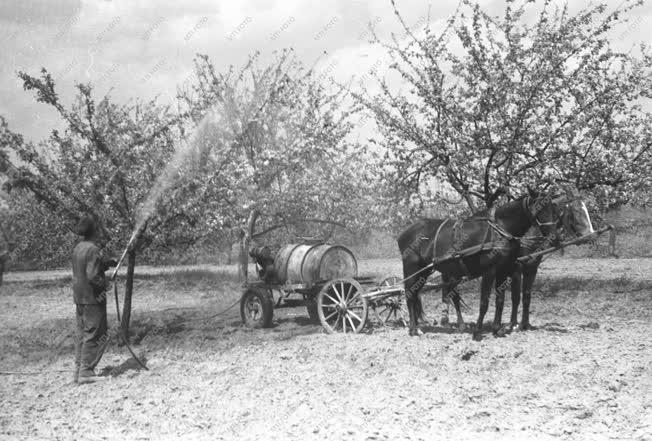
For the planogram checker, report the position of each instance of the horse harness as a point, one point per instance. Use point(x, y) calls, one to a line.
point(533, 215)
point(459, 253)
point(493, 230)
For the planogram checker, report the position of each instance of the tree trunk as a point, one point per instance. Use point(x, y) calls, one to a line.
point(244, 245)
point(612, 242)
point(243, 259)
point(129, 288)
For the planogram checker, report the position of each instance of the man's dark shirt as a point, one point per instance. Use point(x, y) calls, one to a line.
point(88, 281)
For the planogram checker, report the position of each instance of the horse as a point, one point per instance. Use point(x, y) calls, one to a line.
point(493, 235)
point(573, 219)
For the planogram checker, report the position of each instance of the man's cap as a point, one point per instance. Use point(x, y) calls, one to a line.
point(86, 226)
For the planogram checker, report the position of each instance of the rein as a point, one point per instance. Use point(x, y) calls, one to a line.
point(523, 240)
point(501, 231)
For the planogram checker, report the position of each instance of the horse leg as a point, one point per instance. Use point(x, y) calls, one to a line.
point(410, 300)
point(461, 326)
point(485, 292)
point(501, 285)
point(415, 308)
point(445, 300)
point(529, 275)
point(516, 296)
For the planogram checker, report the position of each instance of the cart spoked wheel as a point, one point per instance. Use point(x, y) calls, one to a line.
point(341, 307)
point(392, 307)
point(257, 308)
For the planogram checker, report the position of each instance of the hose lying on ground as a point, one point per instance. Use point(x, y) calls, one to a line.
point(121, 333)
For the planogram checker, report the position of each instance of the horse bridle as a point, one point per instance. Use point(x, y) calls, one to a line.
point(567, 211)
point(534, 215)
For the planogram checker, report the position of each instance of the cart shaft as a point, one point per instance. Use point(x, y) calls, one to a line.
point(565, 244)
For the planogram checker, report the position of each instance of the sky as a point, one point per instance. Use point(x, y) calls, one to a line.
point(140, 48)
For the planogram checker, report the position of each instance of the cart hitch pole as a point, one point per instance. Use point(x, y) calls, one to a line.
point(564, 245)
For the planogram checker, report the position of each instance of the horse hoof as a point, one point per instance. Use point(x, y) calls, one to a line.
point(461, 327)
point(444, 320)
point(416, 332)
point(526, 327)
point(477, 336)
point(499, 333)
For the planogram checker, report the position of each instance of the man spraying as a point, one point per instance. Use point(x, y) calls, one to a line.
point(89, 286)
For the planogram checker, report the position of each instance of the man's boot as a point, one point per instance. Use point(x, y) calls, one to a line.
point(89, 376)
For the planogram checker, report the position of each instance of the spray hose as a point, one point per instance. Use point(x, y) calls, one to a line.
point(122, 332)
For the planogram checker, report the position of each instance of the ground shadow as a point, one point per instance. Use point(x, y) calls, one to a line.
point(298, 320)
point(550, 327)
point(478, 335)
point(179, 322)
point(438, 329)
point(128, 365)
point(286, 328)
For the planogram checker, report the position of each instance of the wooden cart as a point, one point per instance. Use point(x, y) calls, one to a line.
point(323, 278)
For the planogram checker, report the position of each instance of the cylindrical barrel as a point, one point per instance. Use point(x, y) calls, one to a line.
point(302, 263)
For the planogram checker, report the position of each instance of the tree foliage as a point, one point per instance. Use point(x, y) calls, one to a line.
point(265, 139)
point(499, 103)
point(102, 164)
point(279, 146)
point(36, 238)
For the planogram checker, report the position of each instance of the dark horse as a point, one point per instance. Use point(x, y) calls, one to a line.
point(494, 238)
point(574, 220)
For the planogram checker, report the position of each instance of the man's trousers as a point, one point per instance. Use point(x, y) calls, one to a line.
point(91, 337)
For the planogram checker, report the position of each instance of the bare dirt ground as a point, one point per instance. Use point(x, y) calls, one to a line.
point(585, 373)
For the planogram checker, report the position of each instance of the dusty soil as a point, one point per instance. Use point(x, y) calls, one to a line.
point(585, 373)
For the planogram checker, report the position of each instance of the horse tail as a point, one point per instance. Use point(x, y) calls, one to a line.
point(411, 245)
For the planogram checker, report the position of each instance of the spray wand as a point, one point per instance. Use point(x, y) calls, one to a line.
point(135, 234)
point(124, 253)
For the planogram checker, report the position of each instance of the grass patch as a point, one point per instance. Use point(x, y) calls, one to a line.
point(226, 278)
point(175, 278)
point(183, 277)
point(621, 284)
point(26, 287)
